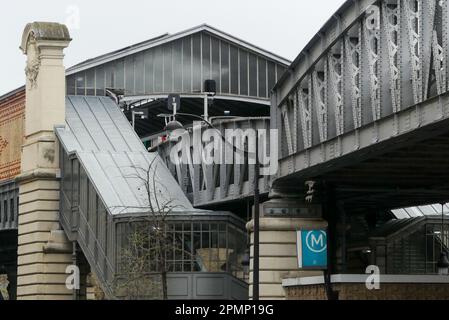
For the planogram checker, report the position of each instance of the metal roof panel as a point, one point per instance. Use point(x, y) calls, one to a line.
point(115, 159)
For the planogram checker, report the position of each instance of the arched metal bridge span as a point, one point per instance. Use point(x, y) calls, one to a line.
point(366, 102)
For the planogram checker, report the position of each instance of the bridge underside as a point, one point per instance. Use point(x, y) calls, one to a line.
point(409, 170)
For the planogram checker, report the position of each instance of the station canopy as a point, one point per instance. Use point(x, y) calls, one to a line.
point(147, 72)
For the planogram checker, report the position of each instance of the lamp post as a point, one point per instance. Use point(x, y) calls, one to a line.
point(256, 266)
point(134, 114)
point(174, 125)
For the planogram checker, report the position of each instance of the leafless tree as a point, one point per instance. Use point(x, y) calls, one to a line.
point(143, 260)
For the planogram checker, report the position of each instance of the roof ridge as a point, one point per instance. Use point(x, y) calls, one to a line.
point(165, 38)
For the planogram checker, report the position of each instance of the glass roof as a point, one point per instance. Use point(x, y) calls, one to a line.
point(413, 212)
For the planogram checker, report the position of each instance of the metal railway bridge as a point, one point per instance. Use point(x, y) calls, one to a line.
point(363, 109)
point(363, 113)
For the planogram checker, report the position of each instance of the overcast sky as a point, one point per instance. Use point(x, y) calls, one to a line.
point(100, 26)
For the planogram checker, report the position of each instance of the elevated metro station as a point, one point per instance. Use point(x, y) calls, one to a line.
point(361, 120)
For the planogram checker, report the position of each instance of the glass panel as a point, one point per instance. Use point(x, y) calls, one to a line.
point(139, 74)
point(253, 77)
point(80, 84)
point(222, 240)
point(90, 82)
point(206, 58)
point(224, 67)
point(271, 75)
point(110, 76)
point(187, 64)
point(243, 58)
point(168, 68)
point(129, 75)
point(196, 68)
point(214, 240)
point(216, 62)
point(71, 85)
point(149, 75)
point(100, 80)
point(177, 66)
point(262, 78)
point(158, 70)
point(234, 70)
point(120, 75)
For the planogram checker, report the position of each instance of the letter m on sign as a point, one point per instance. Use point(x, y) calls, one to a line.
point(312, 249)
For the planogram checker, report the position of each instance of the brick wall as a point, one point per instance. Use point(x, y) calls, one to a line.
point(359, 292)
point(12, 120)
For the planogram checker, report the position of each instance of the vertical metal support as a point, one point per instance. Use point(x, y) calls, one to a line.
point(305, 108)
point(295, 122)
point(341, 209)
point(206, 107)
point(392, 26)
point(329, 206)
point(256, 285)
point(445, 36)
point(353, 54)
point(75, 292)
point(413, 11)
point(336, 77)
point(287, 129)
point(320, 95)
point(373, 45)
point(439, 45)
point(439, 64)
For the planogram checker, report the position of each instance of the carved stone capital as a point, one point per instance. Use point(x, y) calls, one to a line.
point(32, 71)
point(39, 35)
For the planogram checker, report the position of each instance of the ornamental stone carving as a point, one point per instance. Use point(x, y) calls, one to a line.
point(32, 71)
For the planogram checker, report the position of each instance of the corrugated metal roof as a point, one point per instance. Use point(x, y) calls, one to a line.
point(115, 159)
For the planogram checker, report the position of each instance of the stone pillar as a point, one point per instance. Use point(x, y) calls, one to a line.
point(43, 249)
point(278, 247)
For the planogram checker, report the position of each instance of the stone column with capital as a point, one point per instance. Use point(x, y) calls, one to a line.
point(44, 251)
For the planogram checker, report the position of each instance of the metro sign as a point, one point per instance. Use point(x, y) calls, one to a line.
point(312, 249)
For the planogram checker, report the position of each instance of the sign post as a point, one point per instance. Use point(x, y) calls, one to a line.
point(312, 249)
point(174, 103)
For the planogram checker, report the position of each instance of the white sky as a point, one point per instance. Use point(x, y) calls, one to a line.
point(281, 26)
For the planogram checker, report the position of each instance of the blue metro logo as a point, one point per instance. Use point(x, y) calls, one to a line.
point(312, 249)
